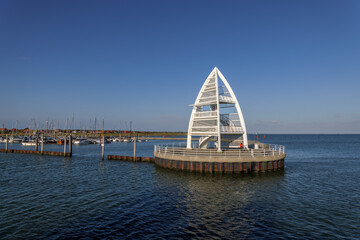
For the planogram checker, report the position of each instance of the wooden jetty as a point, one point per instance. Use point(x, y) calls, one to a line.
point(67, 154)
point(131, 158)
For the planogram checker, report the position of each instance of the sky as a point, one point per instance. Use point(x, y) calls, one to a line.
point(294, 66)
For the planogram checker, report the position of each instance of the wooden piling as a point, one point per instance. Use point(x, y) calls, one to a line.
point(36, 142)
point(65, 146)
point(70, 145)
point(42, 144)
point(135, 149)
point(103, 148)
point(103, 142)
point(6, 145)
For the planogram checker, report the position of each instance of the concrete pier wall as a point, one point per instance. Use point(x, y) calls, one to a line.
point(220, 164)
point(221, 167)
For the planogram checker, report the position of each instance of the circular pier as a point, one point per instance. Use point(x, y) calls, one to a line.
point(266, 159)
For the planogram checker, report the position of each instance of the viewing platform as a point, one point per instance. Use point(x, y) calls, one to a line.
point(218, 123)
point(269, 158)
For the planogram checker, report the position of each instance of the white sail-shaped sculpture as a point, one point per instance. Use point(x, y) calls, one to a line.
point(217, 116)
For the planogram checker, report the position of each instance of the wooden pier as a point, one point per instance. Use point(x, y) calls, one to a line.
point(131, 158)
point(65, 153)
point(47, 153)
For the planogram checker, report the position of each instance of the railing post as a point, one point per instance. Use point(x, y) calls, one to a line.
point(264, 152)
point(273, 152)
point(252, 152)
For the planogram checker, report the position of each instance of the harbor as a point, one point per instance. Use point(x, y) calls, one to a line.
point(206, 120)
point(85, 196)
point(217, 140)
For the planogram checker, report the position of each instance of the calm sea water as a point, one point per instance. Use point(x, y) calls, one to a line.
point(317, 196)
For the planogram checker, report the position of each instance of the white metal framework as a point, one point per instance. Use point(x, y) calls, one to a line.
point(217, 116)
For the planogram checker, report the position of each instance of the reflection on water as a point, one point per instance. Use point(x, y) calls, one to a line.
point(316, 196)
point(214, 200)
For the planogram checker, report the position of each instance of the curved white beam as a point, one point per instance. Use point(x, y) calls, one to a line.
point(241, 117)
point(189, 136)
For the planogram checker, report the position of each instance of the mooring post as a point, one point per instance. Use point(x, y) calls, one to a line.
point(70, 145)
point(103, 148)
point(6, 145)
point(65, 146)
point(103, 142)
point(42, 144)
point(36, 142)
point(135, 149)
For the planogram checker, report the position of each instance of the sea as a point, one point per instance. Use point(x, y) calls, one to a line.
point(316, 196)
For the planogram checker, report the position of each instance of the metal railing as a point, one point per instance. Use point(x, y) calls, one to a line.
point(230, 129)
point(206, 114)
point(181, 150)
point(228, 99)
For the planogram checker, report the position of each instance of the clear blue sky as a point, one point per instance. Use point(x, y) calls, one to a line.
point(293, 65)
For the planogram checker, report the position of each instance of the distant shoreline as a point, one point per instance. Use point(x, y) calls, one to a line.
point(111, 133)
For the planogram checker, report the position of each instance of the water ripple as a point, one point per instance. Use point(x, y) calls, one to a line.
point(316, 197)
